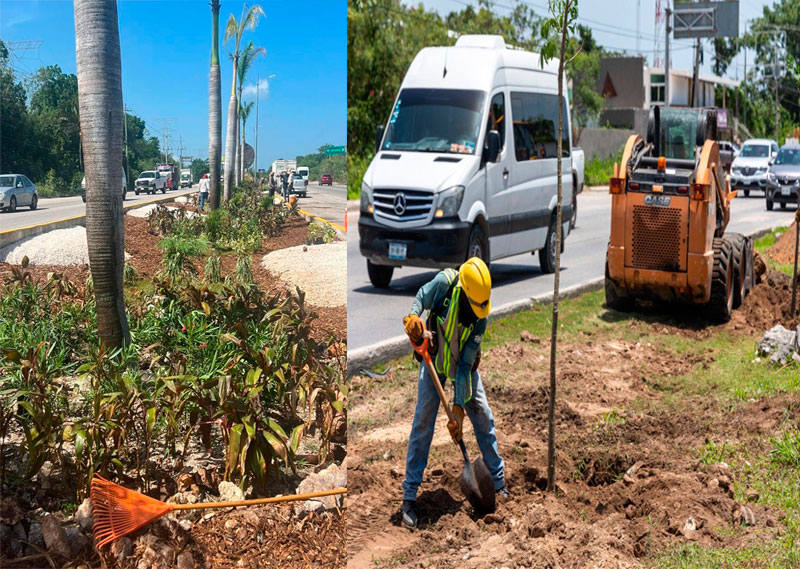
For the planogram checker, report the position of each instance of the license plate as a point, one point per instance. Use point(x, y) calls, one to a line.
point(786, 190)
point(397, 250)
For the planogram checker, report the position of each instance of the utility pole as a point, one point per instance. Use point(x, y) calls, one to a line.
point(744, 79)
point(695, 71)
point(667, 12)
point(776, 74)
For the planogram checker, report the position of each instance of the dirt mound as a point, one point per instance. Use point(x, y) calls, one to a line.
point(782, 250)
point(768, 304)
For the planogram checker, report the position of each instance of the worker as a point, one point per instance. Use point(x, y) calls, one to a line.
point(285, 183)
point(458, 304)
point(204, 185)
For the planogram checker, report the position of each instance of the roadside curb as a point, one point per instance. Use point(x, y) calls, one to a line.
point(398, 346)
point(311, 218)
point(10, 236)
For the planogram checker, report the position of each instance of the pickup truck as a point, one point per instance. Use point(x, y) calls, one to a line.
point(578, 160)
point(150, 181)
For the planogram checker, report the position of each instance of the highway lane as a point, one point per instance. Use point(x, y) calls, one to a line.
point(56, 209)
point(327, 202)
point(375, 315)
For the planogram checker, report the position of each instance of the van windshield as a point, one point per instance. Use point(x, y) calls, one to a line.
point(435, 120)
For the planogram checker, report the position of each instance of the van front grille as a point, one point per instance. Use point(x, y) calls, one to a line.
point(402, 205)
point(656, 238)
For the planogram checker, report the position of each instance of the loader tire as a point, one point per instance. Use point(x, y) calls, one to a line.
point(738, 246)
point(721, 302)
point(614, 300)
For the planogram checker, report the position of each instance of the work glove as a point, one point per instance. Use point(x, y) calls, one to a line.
point(414, 327)
point(456, 427)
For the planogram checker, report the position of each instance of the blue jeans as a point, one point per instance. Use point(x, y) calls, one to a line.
point(419, 443)
point(203, 198)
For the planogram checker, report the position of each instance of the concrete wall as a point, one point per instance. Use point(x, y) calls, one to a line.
point(627, 76)
point(603, 142)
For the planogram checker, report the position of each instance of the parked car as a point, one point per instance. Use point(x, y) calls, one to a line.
point(17, 190)
point(466, 163)
point(578, 159)
point(299, 185)
point(150, 181)
point(727, 152)
point(783, 178)
point(124, 187)
point(326, 179)
point(749, 168)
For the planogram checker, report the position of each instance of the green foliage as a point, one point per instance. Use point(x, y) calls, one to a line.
point(179, 255)
point(320, 233)
point(598, 170)
point(199, 167)
point(356, 168)
point(213, 269)
point(786, 449)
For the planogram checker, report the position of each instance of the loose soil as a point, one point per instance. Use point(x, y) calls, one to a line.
point(630, 478)
point(783, 249)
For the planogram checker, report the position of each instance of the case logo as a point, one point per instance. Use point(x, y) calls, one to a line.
point(662, 201)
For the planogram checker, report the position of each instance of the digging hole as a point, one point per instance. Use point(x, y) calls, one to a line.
point(605, 469)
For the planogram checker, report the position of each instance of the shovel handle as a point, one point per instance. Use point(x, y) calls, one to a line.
point(422, 349)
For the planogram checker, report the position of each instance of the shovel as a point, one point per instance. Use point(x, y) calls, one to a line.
point(476, 483)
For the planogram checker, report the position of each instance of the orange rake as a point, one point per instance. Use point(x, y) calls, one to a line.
point(118, 511)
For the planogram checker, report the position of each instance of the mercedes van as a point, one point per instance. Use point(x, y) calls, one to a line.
point(467, 162)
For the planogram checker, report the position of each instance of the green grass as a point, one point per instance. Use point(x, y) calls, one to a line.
point(762, 245)
point(599, 170)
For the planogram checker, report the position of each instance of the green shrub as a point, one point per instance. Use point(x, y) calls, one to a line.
point(356, 168)
point(599, 170)
point(320, 233)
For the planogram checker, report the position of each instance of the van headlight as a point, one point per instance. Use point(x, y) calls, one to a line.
point(366, 198)
point(450, 201)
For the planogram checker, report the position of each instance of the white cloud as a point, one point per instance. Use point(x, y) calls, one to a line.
point(252, 91)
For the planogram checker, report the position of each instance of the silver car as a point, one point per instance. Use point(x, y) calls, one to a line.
point(17, 190)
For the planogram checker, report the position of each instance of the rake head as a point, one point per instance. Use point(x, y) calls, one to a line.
point(117, 511)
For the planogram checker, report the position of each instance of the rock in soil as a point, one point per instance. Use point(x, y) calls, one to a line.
point(83, 515)
point(230, 492)
point(55, 538)
point(185, 561)
point(122, 548)
point(779, 344)
point(332, 477)
point(77, 541)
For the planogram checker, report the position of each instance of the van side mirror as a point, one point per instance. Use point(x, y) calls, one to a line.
point(378, 137)
point(492, 146)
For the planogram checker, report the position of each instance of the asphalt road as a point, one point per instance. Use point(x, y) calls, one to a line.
point(327, 202)
point(56, 209)
point(375, 315)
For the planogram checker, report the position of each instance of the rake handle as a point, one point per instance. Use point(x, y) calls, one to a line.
point(289, 498)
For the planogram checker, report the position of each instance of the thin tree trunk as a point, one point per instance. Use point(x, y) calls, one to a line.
point(99, 72)
point(244, 123)
point(214, 112)
point(551, 429)
point(238, 175)
point(230, 137)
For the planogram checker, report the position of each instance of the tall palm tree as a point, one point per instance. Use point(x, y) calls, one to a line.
point(234, 30)
point(244, 112)
point(99, 71)
point(214, 111)
point(249, 53)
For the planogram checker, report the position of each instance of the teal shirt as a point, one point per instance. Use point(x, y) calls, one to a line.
point(428, 296)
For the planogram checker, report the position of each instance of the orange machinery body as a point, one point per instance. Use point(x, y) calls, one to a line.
point(666, 252)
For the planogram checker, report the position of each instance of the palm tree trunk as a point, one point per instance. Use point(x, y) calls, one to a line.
point(99, 72)
point(214, 112)
point(239, 148)
point(230, 137)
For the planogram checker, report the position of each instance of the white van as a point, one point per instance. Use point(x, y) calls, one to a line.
point(304, 171)
point(466, 165)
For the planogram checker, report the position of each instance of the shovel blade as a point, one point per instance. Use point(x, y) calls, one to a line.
point(478, 487)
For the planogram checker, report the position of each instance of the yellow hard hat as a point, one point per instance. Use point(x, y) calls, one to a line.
point(477, 285)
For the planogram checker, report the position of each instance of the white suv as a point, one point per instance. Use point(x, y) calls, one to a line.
point(749, 168)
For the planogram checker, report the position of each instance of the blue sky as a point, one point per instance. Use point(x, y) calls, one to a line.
point(166, 47)
point(614, 25)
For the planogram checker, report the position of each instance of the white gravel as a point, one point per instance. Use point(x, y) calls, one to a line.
point(320, 271)
point(59, 247)
point(143, 211)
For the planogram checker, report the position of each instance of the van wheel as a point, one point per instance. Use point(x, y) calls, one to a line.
point(720, 304)
point(547, 254)
point(747, 193)
point(136, 191)
point(477, 245)
point(573, 220)
point(769, 204)
point(379, 275)
point(783, 205)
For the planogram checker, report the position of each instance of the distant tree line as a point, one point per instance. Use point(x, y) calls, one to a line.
point(320, 164)
point(40, 130)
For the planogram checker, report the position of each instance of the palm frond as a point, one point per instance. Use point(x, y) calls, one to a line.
point(245, 109)
point(246, 60)
point(250, 21)
point(231, 28)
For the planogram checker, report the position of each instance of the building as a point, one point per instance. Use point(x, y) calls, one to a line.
point(630, 88)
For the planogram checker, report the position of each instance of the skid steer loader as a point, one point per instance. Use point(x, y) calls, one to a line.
point(670, 207)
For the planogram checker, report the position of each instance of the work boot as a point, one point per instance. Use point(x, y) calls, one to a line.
point(409, 511)
point(503, 493)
